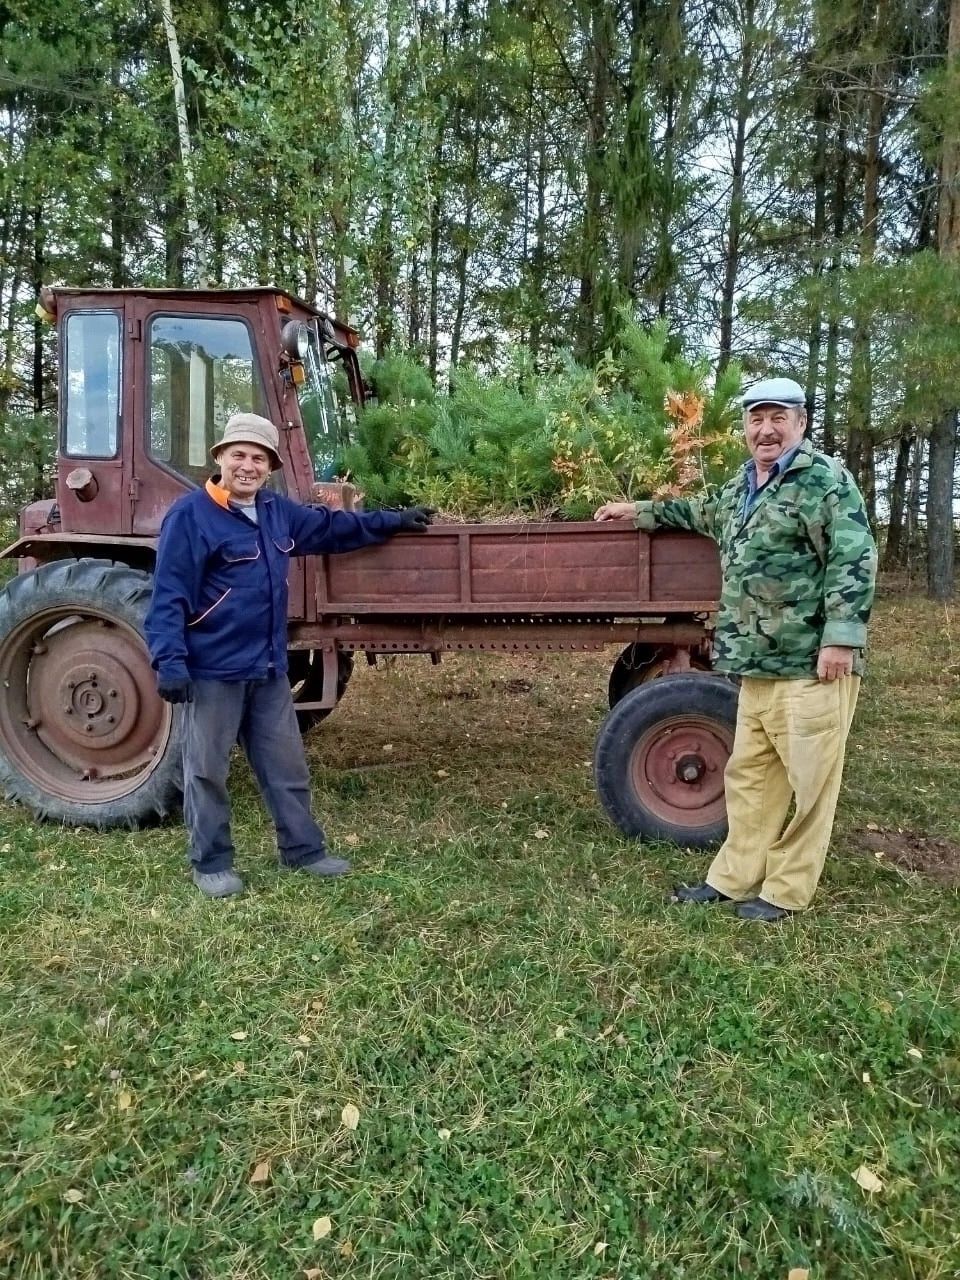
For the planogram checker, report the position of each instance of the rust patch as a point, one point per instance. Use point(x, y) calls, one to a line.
point(933, 856)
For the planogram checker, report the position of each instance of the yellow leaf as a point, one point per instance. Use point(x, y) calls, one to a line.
point(914, 1053)
point(124, 1101)
point(559, 1032)
point(798, 1273)
point(351, 839)
point(865, 1177)
point(444, 1135)
point(322, 1227)
point(350, 1116)
point(261, 1174)
point(72, 1195)
point(540, 834)
point(346, 1249)
point(239, 1068)
point(304, 1040)
point(600, 1248)
point(238, 1035)
point(442, 773)
point(313, 1273)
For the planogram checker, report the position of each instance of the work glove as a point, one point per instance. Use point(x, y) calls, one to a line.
point(175, 690)
point(415, 519)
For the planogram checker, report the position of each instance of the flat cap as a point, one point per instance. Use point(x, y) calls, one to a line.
point(782, 391)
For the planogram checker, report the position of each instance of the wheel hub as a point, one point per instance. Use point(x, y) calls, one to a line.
point(92, 697)
point(690, 768)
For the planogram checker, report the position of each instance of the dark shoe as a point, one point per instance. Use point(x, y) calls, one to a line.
point(218, 884)
point(328, 866)
point(757, 909)
point(701, 893)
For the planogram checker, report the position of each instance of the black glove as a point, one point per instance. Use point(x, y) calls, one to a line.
point(175, 690)
point(415, 519)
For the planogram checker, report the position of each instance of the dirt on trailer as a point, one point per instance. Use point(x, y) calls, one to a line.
point(931, 856)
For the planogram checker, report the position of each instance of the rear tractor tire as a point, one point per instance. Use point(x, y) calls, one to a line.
point(660, 757)
point(84, 737)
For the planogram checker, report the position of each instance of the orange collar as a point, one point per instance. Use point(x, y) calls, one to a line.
point(220, 495)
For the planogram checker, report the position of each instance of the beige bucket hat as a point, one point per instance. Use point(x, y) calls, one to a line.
point(250, 428)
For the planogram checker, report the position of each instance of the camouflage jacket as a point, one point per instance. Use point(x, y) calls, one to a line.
point(798, 570)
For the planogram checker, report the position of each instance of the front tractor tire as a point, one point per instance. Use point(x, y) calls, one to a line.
point(660, 757)
point(84, 737)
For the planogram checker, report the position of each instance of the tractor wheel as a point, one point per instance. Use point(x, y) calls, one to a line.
point(84, 737)
point(639, 663)
point(306, 682)
point(660, 757)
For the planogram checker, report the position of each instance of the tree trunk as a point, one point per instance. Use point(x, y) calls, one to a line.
point(818, 235)
point(731, 257)
point(943, 436)
point(831, 362)
point(893, 548)
point(183, 132)
point(598, 69)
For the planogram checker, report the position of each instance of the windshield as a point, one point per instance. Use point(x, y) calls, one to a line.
point(323, 416)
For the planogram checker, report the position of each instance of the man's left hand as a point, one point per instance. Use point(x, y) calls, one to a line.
point(834, 662)
point(415, 519)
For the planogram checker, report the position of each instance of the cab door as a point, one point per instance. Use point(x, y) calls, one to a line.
point(199, 363)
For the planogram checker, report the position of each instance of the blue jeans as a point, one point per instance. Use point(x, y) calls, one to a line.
point(259, 715)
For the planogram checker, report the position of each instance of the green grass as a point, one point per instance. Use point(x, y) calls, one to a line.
point(558, 1075)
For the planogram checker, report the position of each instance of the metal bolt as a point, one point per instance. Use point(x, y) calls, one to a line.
point(111, 719)
point(112, 693)
point(71, 684)
point(88, 728)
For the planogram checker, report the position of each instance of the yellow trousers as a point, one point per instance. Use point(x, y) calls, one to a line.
point(789, 744)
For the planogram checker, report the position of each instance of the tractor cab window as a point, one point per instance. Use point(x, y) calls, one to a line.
point(202, 370)
point(320, 403)
point(91, 381)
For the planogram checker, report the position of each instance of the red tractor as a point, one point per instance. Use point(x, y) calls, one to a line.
point(148, 378)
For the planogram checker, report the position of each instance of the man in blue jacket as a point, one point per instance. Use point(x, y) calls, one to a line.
point(217, 630)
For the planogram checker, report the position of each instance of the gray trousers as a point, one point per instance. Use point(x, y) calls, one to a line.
point(259, 715)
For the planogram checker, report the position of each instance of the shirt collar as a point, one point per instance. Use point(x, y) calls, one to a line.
point(777, 469)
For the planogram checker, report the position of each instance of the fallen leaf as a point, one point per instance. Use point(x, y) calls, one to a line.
point(914, 1053)
point(239, 1068)
point(346, 1249)
point(865, 1077)
point(442, 773)
point(322, 1227)
point(872, 826)
point(313, 1273)
point(350, 1116)
point(865, 1177)
point(351, 838)
point(261, 1174)
point(798, 1273)
point(388, 746)
point(559, 1032)
point(600, 1248)
point(444, 1135)
point(72, 1195)
point(304, 1040)
point(124, 1100)
point(540, 834)
point(238, 1035)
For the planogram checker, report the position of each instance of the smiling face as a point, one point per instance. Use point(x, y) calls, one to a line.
point(244, 468)
point(772, 430)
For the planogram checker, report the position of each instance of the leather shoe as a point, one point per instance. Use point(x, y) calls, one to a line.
point(757, 909)
point(701, 893)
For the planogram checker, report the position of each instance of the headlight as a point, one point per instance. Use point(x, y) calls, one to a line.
point(295, 339)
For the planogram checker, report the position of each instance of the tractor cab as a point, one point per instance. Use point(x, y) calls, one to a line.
point(148, 379)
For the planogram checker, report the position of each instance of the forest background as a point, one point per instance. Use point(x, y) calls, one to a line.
point(571, 205)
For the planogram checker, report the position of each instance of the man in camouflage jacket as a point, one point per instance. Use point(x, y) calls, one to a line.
point(799, 566)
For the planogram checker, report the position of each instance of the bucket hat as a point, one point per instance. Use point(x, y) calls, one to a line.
point(250, 428)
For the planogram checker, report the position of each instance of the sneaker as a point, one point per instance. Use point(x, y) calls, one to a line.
point(218, 884)
point(699, 893)
point(326, 866)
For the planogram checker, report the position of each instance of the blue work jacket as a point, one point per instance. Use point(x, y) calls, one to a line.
point(219, 606)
